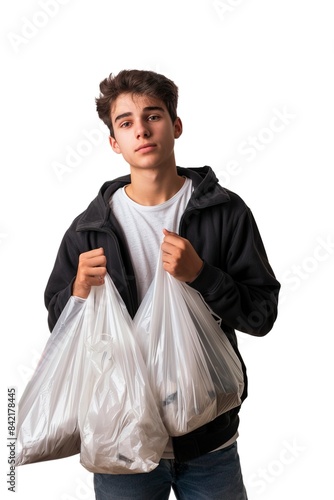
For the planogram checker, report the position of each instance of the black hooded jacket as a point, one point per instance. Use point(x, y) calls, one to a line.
point(236, 280)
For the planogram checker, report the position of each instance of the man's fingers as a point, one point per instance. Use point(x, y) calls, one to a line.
point(93, 262)
point(172, 237)
point(97, 280)
point(173, 242)
point(91, 272)
point(98, 253)
point(179, 257)
point(92, 253)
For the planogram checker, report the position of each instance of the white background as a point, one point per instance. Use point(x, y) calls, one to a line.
point(238, 64)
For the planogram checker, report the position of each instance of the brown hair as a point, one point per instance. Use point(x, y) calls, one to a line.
point(138, 82)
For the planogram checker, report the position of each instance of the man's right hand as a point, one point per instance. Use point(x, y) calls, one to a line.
point(91, 272)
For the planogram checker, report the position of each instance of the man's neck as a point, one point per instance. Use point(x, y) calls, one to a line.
point(153, 187)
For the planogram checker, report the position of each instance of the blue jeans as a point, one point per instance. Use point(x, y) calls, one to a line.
point(213, 476)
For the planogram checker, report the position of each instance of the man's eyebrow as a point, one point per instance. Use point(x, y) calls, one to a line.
point(123, 115)
point(147, 108)
point(154, 108)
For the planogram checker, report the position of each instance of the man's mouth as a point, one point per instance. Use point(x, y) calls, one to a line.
point(149, 146)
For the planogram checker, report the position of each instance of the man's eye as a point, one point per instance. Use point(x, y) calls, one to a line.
point(125, 124)
point(153, 118)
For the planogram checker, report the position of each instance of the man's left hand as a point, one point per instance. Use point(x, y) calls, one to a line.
point(179, 257)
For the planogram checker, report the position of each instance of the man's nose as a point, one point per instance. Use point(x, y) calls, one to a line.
point(142, 130)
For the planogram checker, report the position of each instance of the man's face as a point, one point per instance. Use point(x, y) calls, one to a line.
point(144, 132)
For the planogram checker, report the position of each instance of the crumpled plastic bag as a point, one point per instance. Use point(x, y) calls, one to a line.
point(193, 369)
point(90, 393)
point(120, 425)
point(48, 408)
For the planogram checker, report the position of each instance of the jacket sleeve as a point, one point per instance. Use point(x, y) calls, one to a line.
point(59, 287)
point(243, 289)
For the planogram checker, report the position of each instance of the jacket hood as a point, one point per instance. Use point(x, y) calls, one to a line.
point(207, 192)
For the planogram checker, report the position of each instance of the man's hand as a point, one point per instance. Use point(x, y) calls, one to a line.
point(179, 257)
point(91, 272)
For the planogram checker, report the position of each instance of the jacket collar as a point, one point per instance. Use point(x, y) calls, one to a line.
point(207, 192)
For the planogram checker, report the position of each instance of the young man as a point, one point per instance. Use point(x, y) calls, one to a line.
point(209, 239)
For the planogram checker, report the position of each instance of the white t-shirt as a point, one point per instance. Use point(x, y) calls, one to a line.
point(142, 226)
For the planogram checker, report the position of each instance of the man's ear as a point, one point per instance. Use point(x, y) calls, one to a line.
point(177, 128)
point(114, 145)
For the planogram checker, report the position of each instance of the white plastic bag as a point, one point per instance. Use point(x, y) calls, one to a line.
point(194, 372)
point(47, 411)
point(120, 425)
point(90, 393)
